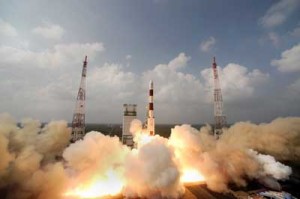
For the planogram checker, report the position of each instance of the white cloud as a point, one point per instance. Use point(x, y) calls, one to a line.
point(207, 45)
point(128, 57)
point(61, 89)
point(294, 88)
point(236, 81)
point(49, 31)
point(108, 86)
point(292, 93)
point(28, 77)
point(114, 82)
point(296, 32)
point(173, 86)
point(179, 96)
point(179, 62)
point(7, 29)
point(179, 92)
point(278, 13)
point(275, 39)
point(289, 61)
point(60, 55)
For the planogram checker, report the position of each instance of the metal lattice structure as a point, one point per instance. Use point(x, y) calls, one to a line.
point(78, 122)
point(220, 119)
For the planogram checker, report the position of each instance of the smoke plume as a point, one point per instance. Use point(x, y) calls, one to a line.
point(280, 138)
point(37, 161)
point(28, 154)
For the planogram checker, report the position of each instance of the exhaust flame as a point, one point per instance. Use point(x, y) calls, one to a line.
point(192, 176)
point(111, 185)
point(144, 139)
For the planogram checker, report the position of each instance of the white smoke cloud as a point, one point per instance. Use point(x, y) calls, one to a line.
point(217, 162)
point(283, 133)
point(29, 167)
point(95, 153)
point(155, 171)
point(6, 158)
point(271, 167)
point(229, 159)
point(46, 183)
point(28, 152)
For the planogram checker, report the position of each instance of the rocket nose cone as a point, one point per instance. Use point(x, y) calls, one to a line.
point(151, 84)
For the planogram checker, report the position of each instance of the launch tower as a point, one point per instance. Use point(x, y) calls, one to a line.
point(78, 122)
point(129, 115)
point(220, 119)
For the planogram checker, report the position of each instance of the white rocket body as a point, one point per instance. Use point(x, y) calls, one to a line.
point(150, 115)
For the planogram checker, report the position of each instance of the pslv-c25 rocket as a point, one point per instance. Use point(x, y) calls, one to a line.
point(150, 115)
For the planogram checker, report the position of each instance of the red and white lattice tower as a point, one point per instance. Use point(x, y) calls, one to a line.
point(78, 122)
point(220, 119)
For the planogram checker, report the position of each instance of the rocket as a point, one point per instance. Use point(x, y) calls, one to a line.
point(150, 115)
point(214, 65)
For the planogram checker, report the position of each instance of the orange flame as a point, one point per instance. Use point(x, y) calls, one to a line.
point(111, 185)
point(192, 176)
point(142, 138)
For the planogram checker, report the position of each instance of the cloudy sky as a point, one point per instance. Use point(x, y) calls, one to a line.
point(129, 42)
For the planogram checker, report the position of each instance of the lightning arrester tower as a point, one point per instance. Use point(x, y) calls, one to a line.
point(220, 119)
point(78, 122)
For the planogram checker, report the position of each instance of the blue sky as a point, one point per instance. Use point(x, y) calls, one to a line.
point(129, 42)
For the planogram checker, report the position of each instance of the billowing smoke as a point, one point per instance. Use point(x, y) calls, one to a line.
point(280, 138)
point(37, 161)
point(231, 158)
point(95, 159)
point(28, 165)
point(151, 170)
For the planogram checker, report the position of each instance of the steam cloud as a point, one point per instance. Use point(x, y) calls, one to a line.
point(36, 161)
point(28, 165)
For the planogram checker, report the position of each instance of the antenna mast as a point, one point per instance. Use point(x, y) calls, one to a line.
point(78, 122)
point(220, 119)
